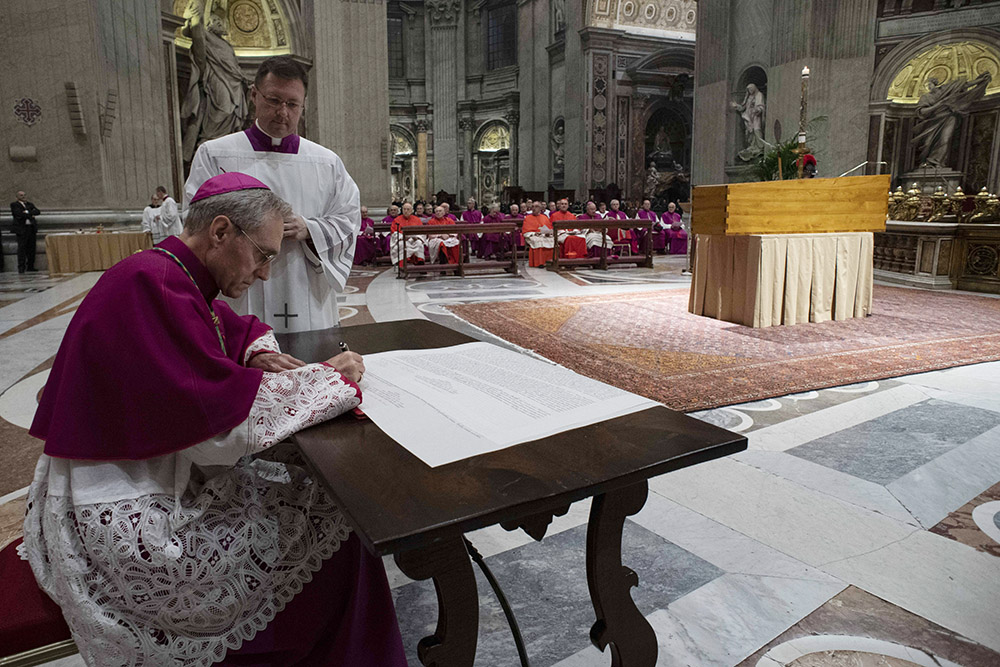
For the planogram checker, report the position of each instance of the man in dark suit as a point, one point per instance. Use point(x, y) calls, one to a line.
point(25, 228)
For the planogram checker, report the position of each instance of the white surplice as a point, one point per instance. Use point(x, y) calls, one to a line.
point(301, 294)
point(176, 559)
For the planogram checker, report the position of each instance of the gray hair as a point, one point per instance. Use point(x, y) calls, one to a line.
point(495, 206)
point(247, 209)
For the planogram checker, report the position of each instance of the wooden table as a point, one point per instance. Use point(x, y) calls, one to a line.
point(398, 505)
point(92, 251)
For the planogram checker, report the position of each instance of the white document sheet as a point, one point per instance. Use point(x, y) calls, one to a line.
point(447, 404)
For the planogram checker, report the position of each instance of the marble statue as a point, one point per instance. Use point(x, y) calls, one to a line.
point(559, 15)
point(558, 150)
point(216, 101)
point(752, 112)
point(938, 111)
point(663, 154)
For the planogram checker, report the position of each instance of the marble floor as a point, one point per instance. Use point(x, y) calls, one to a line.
point(861, 527)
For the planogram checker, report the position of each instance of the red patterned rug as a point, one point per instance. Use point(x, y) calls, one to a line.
point(649, 344)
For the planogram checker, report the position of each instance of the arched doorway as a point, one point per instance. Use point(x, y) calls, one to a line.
point(403, 166)
point(492, 161)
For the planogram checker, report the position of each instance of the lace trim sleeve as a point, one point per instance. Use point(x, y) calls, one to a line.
point(266, 343)
point(289, 401)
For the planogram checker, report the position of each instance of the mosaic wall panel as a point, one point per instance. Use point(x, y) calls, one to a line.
point(599, 119)
point(622, 152)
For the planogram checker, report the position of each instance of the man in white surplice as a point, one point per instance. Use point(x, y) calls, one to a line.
point(318, 248)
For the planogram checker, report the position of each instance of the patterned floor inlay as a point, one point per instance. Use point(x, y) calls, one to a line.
point(857, 615)
point(546, 585)
point(962, 527)
point(362, 276)
point(884, 449)
point(748, 417)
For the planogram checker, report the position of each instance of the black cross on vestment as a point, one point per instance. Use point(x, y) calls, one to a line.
point(286, 315)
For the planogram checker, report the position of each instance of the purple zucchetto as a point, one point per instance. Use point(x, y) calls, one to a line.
point(230, 181)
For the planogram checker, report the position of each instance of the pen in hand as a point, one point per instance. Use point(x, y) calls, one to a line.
point(343, 347)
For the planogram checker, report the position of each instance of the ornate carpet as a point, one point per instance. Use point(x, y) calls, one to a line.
point(649, 344)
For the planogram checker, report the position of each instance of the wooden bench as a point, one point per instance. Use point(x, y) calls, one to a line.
point(381, 228)
point(463, 266)
point(603, 260)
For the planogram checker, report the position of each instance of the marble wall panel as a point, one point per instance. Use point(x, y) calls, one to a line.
point(349, 84)
point(101, 48)
point(708, 149)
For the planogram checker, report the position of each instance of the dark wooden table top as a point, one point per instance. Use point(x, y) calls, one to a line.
point(397, 502)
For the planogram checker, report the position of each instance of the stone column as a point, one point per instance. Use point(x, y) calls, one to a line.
point(349, 82)
point(421, 126)
point(466, 125)
point(444, 16)
point(513, 118)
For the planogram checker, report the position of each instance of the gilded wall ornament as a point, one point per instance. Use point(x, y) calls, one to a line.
point(946, 63)
point(495, 138)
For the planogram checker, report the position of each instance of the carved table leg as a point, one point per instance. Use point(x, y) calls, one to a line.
point(619, 622)
point(448, 563)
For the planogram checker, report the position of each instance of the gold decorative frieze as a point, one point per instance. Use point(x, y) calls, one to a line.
point(946, 62)
point(495, 138)
point(672, 15)
point(252, 27)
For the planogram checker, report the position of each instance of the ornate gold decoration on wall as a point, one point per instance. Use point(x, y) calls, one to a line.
point(255, 27)
point(496, 138)
point(912, 206)
point(676, 15)
point(401, 145)
point(946, 62)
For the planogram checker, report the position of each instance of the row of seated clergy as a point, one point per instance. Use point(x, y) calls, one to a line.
point(416, 247)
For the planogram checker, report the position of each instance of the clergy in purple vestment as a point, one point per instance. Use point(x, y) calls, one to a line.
point(165, 518)
point(676, 235)
point(639, 234)
point(471, 215)
point(518, 240)
point(367, 248)
point(619, 237)
point(595, 238)
point(492, 243)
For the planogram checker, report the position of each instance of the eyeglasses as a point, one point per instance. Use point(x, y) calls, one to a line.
point(268, 256)
point(276, 103)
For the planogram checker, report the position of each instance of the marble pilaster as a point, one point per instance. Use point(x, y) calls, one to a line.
point(513, 118)
point(422, 127)
point(467, 125)
point(352, 107)
point(444, 16)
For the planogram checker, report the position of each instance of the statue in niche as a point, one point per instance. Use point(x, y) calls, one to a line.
point(752, 112)
point(938, 111)
point(558, 150)
point(559, 15)
point(216, 101)
point(663, 154)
